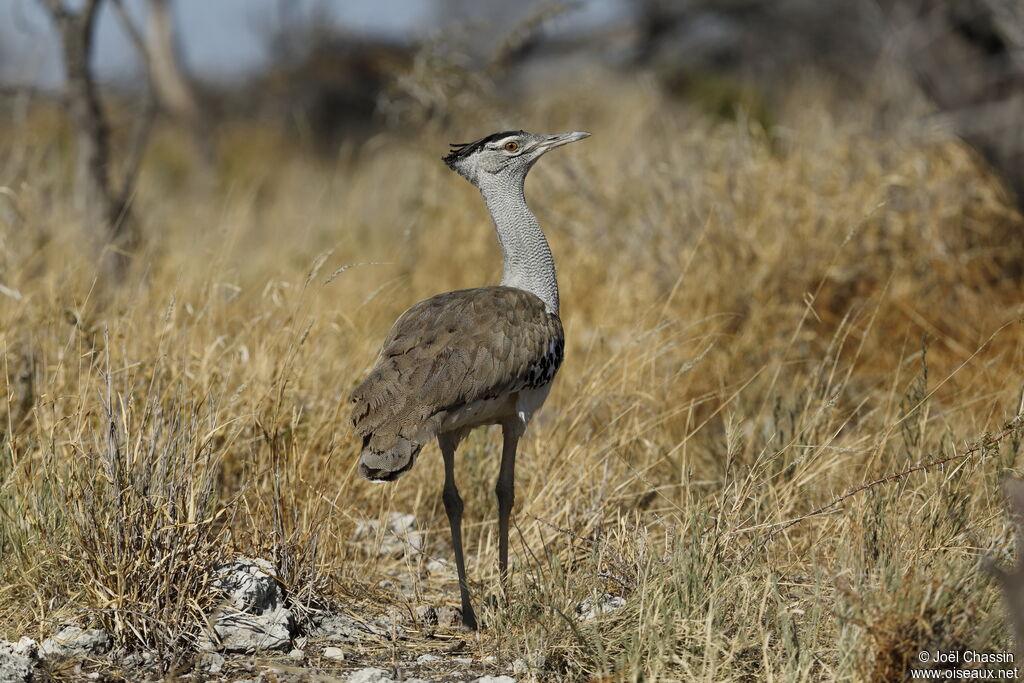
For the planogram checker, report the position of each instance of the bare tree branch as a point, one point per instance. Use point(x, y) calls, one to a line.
point(56, 9)
point(133, 34)
point(143, 122)
point(137, 146)
point(171, 85)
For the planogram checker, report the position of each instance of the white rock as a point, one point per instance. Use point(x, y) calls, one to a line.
point(25, 647)
point(465, 661)
point(340, 628)
point(370, 675)
point(296, 654)
point(588, 609)
point(427, 659)
point(72, 642)
point(399, 537)
point(211, 662)
point(334, 653)
point(533, 662)
point(494, 679)
point(252, 615)
point(435, 566)
point(416, 540)
point(14, 668)
point(402, 523)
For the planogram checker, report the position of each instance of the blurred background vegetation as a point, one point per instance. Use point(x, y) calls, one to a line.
point(329, 75)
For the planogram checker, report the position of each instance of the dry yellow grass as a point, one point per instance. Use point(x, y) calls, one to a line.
point(755, 323)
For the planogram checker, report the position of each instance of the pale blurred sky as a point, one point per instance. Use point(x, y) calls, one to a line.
point(221, 39)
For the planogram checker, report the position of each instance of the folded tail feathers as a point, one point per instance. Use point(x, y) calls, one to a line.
point(387, 464)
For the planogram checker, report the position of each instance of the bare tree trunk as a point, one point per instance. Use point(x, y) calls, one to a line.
point(104, 208)
point(93, 190)
point(173, 88)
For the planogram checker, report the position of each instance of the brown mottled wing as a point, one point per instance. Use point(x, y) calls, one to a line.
point(451, 350)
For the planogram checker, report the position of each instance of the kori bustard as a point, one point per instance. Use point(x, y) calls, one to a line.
point(472, 357)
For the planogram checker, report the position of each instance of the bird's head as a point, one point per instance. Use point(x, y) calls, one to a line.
point(508, 155)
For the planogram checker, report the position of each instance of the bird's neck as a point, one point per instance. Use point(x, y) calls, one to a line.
point(528, 261)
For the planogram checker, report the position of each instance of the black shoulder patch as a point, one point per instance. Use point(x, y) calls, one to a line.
point(461, 150)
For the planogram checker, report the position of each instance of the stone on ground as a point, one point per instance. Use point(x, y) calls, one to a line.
point(334, 653)
point(72, 642)
point(370, 675)
point(211, 662)
point(398, 538)
point(253, 615)
point(343, 629)
point(15, 667)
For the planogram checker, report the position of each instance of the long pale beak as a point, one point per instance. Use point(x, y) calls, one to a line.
point(559, 139)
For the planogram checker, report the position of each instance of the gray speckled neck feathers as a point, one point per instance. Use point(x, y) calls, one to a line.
point(529, 264)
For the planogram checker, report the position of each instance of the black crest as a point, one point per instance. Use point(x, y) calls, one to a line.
point(461, 150)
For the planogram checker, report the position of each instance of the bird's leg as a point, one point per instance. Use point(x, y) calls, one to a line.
point(505, 488)
point(453, 508)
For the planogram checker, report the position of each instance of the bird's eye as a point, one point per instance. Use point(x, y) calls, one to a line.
point(512, 146)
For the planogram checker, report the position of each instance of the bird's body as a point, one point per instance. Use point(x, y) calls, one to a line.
point(453, 362)
point(472, 357)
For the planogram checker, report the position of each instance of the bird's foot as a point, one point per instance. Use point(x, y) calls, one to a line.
point(469, 624)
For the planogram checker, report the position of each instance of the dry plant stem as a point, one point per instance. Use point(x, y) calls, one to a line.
point(1009, 429)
